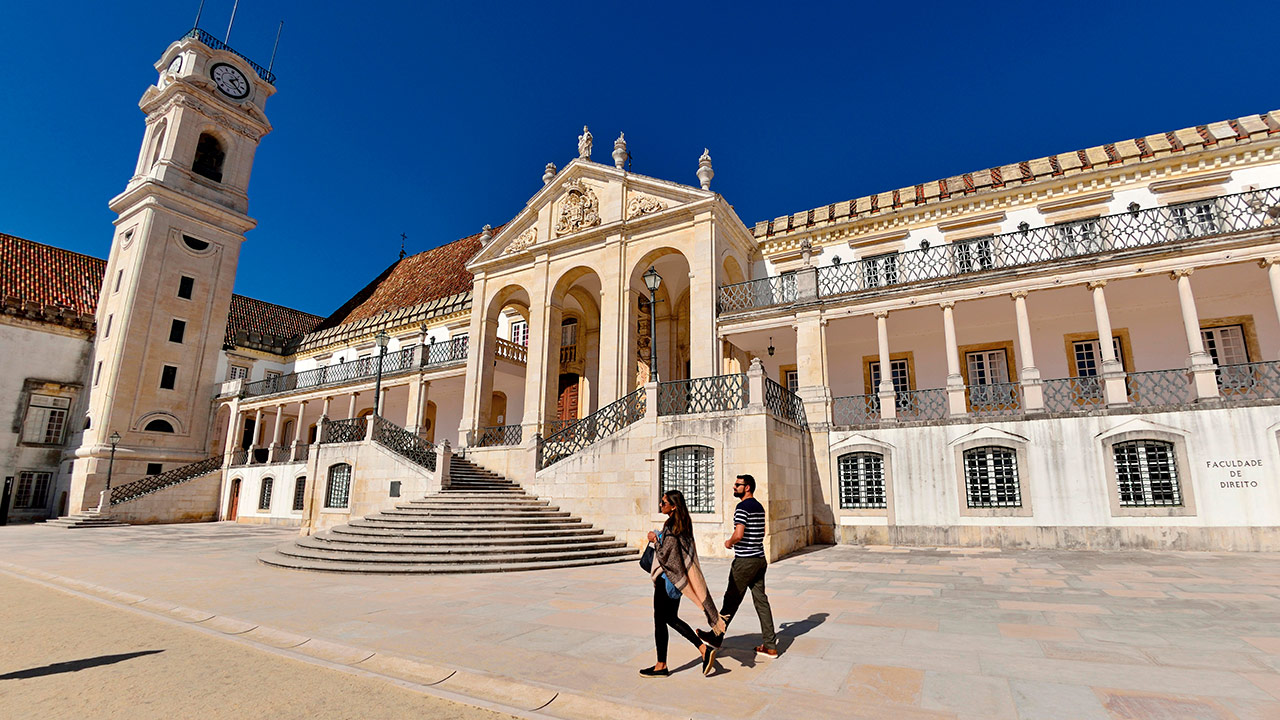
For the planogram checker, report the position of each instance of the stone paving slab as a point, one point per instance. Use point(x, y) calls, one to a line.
point(864, 631)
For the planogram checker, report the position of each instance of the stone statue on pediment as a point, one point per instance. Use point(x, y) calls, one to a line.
point(584, 144)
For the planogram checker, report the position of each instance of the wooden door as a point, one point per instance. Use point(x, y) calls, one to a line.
point(567, 403)
point(233, 503)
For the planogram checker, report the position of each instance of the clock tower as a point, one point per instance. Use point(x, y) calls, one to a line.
point(163, 310)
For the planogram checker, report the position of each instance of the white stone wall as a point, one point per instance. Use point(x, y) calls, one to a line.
point(280, 510)
point(192, 501)
point(374, 468)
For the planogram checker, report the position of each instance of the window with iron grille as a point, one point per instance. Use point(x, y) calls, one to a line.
point(879, 270)
point(46, 419)
point(264, 495)
point(1080, 237)
point(1194, 219)
point(1147, 473)
point(974, 255)
point(299, 493)
point(862, 480)
point(238, 372)
point(339, 491)
point(991, 477)
point(691, 470)
point(32, 490)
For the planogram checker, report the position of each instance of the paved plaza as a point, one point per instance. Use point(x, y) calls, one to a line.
point(863, 631)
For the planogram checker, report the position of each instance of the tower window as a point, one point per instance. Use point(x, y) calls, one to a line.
point(119, 277)
point(106, 331)
point(158, 426)
point(168, 378)
point(209, 157)
point(155, 468)
point(177, 331)
point(185, 286)
point(159, 142)
point(194, 244)
point(97, 373)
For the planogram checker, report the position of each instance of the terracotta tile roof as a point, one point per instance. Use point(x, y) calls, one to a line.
point(255, 318)
point(43, 275)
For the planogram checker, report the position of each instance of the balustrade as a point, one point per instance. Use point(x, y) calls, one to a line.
point(702, 395)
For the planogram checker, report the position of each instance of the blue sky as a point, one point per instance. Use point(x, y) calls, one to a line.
point(433, 119)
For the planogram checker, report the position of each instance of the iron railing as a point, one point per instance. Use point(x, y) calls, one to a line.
point(702, 395)
point(281, 454)
point(1077, 394)
point(551, 427)
point(1249, 381)
point(239, 457)
point(445, 353)
point(147, 485)
point(495, 436)
point(928, 404)
point(343, 372)
point(855, 410)
point(404, 443)
point(213, 42)
point(603, 422)
point(995, 399)
point(1160, 388)
point(783, 403)
point(1135, 229)
point(513, 351)
point(343, 431)
point(301, 453)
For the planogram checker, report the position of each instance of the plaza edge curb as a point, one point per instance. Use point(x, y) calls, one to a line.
point(491, 692)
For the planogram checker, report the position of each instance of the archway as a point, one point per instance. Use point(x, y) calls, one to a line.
point(669, 328)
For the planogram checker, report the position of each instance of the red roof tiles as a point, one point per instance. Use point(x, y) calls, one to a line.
point(267, 319)
point(49, 276)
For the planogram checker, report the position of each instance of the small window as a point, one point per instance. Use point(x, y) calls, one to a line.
point(691, 470)
point(264, 495)
point(46, 419)
point(97, 373)
point(1080, 237)
point(106, 330)
point(862, 480)
point(299, 493)
point(973, 255)
point(154, 468)
point(237, 372)
point(168, 377)
point(119, 277)
point(177, 330)
point(520, 332)
point(791, 379)
point(1087, 356)
point(880, 270)
point(1194, 219)
point(194, 244)
point(158, 425)
point(991, 477)
point(1226, 344)
point(32, 490)
point(209, 157)
point(1147, 473)
point(569, 333)
point(159, 142)
point(185, 286)
point(338, 494)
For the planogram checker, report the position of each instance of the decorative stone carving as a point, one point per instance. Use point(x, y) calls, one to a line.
point(705, 173)
point(579, 208)
point(527, 238)
point(549, 174)
point(584, 144)
point(643, 205)
point(620, 154)
point(486, 234)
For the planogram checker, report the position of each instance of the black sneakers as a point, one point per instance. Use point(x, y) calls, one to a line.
point(651, 672)
point(710, 638)
point(709, 659)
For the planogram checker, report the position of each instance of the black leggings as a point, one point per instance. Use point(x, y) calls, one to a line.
point(667, 612)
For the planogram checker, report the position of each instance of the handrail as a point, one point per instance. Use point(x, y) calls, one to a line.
point(699, 395)
point(213, 42)
point(444, 353)
point(513, 351)
point(783, 403)
point(607, 420)
point(154, 483)
point(404, 443)
point(346, 371)
point(341, 431)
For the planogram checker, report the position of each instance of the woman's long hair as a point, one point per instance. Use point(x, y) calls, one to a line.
point(679, 522)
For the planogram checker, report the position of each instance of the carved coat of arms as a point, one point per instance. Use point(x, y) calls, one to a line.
point(643, 205)
point(579, 208)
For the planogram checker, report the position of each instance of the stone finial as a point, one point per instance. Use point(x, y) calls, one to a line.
point(486, 234)
point(584, 144)
point(549, 174)
point(757, 366)
point(620, 154)
point(705, 173)
point(806, 251)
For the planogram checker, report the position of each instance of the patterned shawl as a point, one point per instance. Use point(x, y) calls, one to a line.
point(677, 556)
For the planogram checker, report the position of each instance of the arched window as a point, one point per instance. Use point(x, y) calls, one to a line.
point(158, 140)
point(338, 494)
point(209, 157)
point(264, 495)
point(299, 493)
point(1147, 473)
point(862, 480)
point(691, 470)
point(991, 477)
point(163, 426)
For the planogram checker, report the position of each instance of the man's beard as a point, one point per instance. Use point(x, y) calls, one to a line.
point(739, 493)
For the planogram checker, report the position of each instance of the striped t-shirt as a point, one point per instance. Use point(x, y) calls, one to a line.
point(750, 514)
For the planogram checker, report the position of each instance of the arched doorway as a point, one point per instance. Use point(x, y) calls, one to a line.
point(667, 324)
point(233, 502)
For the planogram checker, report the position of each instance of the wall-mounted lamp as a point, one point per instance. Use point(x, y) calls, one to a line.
point(1134, 208)
point(924, 244)
point(771, 348)
point(835, 259)
point(1023, 227)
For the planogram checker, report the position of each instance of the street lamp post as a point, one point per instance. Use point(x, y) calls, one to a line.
point(653, 281)
point(382, 339)
point(105, 503)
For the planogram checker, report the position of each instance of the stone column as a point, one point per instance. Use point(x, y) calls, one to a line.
point(755, 386)
point(610, 373)
point(257, 429)
point(278, 429)
point(813, 389)
point(412, 407)
point(478, 367)
point(324, 409)
point(543, 352)
point(702, 306)
point(351, 405)
point(955, 381)
point(1272, 266)
point(1032, 390)
point(1201, 363)
point(297, 430)
point(888, 406)
point(1113, 378)
point(234, 427)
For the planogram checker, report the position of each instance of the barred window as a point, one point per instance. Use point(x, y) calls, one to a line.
point(32, 489)
point(1147, 473)
point(46, 419)
point(264, 496)
point(991, 477)
point(339, 490)
point(691, 470)
point(862, 480)
point(299, 493)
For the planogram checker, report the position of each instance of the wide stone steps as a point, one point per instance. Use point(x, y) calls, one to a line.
point(84, 520)
point(481, 523)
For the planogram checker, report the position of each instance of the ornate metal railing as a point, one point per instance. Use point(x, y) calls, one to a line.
point(495, 436)
point(281, 454)
point(1140, 228)
point(995, 399)
point(216, 44)
point(404, 443)
point(603, 422)
point(1160, 388)
point(928, 404)
point(147, 485)
point(239, 457)
point(551, 427)
point(445, 353)
point(515, 352)
point(783, 403)
point(855, 410)
point(1250, 381)
point(1077, 394)
point(301, 453)
point(343, 372)
point(342, 431)
point(701, 395)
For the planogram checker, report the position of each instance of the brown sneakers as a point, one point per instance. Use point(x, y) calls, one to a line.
point(764, 652)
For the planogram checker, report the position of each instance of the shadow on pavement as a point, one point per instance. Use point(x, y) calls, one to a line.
point(742, 648)
point(75, 665)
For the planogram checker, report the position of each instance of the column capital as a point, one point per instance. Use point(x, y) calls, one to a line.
point(881, 314)
point(1022, 294)
point(947, 304)
point(1269, 261)
point(1181, 273)
point(1096, 284)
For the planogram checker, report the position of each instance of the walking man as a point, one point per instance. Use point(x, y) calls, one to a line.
point(748, 568)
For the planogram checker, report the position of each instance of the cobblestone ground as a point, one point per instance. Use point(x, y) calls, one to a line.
point(864, 632)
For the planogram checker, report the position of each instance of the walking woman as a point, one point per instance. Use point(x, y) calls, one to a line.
point(676, 573)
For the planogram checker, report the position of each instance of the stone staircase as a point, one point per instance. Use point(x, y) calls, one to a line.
point(85, 520)
point(481, 523)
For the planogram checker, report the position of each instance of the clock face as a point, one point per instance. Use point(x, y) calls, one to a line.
point(230, 81)
point(176, 65)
